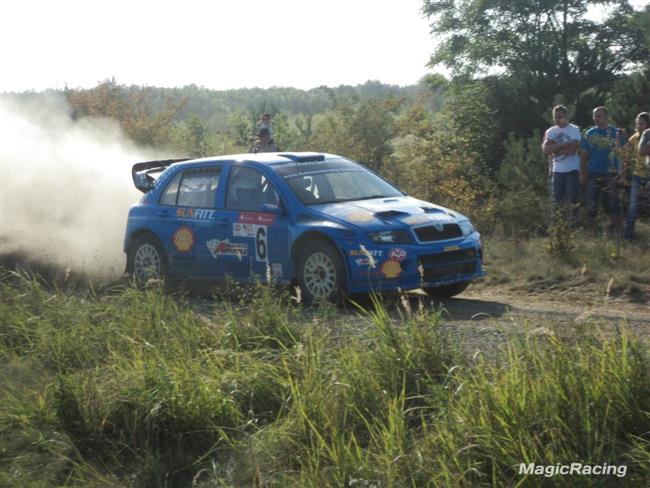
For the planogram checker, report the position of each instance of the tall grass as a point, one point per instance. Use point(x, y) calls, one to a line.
point(136, 387)
point(568, 261)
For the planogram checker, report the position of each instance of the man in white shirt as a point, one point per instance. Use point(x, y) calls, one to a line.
point(561, 143)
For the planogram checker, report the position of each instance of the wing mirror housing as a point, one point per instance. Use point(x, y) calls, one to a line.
point(272, 208)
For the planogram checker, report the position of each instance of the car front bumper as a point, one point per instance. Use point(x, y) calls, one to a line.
point(373, 267)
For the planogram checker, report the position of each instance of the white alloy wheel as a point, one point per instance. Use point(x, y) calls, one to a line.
point(319, 274)
point(147, 262)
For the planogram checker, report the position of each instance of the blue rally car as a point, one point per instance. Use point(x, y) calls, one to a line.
point(318, 221)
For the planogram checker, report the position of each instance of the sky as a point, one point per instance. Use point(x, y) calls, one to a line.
point(216, 44)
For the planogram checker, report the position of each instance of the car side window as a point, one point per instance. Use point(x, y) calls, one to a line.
point(248, 189)
point(170, 193)
point(193, 188)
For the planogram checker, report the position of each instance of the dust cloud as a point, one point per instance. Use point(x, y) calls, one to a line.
point(65, 185)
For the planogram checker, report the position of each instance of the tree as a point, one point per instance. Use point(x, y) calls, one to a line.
point(132, 108)
point(546, 49)
point(191, 137)
point(629, 96)
point(362, 131)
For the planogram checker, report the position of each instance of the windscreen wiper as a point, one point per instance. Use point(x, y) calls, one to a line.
point(372, 197)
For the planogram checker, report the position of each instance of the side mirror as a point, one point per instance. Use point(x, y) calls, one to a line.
point(271, 208)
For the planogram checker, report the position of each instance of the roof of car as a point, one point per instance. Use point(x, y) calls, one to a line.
point(264, 158)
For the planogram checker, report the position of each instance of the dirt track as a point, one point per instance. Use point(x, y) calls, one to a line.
point(485, 311)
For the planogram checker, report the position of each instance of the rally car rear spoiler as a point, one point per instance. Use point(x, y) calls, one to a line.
point(141, 172)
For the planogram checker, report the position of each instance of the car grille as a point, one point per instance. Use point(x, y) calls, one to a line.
point(447, 265)
point(447, 257)
point(429, 233)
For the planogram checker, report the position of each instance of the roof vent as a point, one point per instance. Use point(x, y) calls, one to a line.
point(303, 157)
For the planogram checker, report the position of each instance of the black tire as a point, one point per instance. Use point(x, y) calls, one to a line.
point(320, 272)
point(448, 291)
point(147, 259)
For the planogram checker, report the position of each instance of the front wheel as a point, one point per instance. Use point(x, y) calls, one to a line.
point(448, 291)
point(320, 272)
point(147, 259)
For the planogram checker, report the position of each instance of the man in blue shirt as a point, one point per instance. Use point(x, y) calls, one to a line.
point(600, 169)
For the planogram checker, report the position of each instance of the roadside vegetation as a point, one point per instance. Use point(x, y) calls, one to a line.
point(580, 267)
point(138, 387)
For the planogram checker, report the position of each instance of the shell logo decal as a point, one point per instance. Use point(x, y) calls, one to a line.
point(391, 269)
point(183, 239)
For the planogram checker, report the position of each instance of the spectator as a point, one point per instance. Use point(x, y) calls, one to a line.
point(561, 143)
point(265, 122)
point(638, 169)
point(644, 146)
point(600, 169)
point(264, 142)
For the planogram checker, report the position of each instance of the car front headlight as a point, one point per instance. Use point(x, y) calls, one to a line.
point(390, 237)
point(466, 227)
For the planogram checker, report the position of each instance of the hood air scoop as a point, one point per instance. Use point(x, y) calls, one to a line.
point(390, 214)
point(431, 210)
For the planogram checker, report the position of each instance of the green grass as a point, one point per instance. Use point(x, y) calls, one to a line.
point(132, 387)
point(530, 266)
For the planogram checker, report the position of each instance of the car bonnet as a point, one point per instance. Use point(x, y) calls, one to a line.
point(391, 212)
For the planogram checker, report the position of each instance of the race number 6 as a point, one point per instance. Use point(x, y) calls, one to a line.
point(260, 243)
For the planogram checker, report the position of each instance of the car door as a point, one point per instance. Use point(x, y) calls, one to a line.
point(185, 214)
point(255, 239)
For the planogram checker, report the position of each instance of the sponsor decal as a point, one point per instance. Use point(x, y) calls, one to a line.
point(417, 219)
point(391, 268)
point(256, 218)
point(441, 217)
point(276, 269)
point(359, 217)
point(365, 252)
point(243, 230)
point(227, 248)
point(194, 213)
point(183, 239)
point(368, 257)
point(397, 253)
point(424, 218)
point(261, 246)
point(451, 248)
point(253, 231)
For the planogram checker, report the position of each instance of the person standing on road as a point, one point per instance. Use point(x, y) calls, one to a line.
point(561, 143)
point(600, 169)
point(639, 171)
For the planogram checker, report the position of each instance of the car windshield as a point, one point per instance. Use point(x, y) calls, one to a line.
point(332, 181)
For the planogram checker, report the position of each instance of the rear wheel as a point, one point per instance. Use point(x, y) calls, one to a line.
point(448, 291)
point(147, 259)
point(320, 272)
